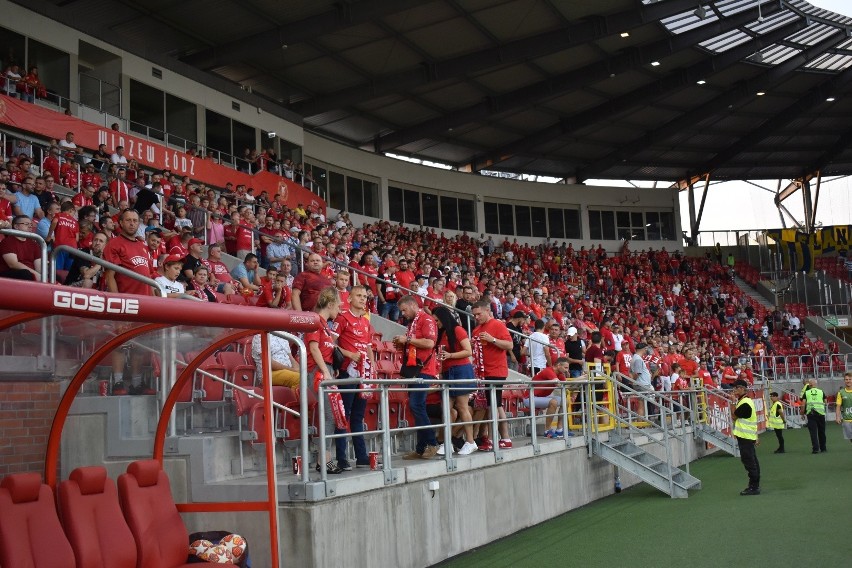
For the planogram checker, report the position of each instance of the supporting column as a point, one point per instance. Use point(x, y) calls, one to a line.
point(808, 204)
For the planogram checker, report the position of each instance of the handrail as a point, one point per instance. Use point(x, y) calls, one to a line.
point(106, 264)
point(41, 242)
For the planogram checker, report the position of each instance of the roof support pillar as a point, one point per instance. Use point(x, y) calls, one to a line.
point(806, 200)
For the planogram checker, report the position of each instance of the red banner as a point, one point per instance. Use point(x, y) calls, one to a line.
point(51, 124)
point(719, 410)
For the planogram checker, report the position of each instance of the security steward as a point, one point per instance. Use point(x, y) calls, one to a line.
point(814, 409)
point(744, 416)
point(775, 420)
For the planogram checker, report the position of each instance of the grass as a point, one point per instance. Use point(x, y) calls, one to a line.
point(802, 517)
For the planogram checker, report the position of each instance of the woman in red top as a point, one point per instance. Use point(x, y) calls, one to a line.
point(321, 344)
point(454, 352)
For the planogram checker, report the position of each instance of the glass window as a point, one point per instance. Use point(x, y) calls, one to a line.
point(218, 128)
point(430, 209)
point(623, 219)
point(572, 224)
point(467, 215)
point(181, 122)
point(354, 195)
point(636, 220)
point(396, 212)
point(608, 225)
point(411, 202)
point(556, 224)
point(653, 225)
point(507, 220)
point(371, 199)
point(539, 222)
point(147, 111)
point(522, 221)
point(595, 226)
point(320, 176)
point(244, 137)
point(336, 191)
point(492, 222)
point(449, 213)
point(667, 226)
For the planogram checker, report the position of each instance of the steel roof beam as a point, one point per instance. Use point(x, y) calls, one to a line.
point(642, 96)
point(780, 119)
point(564, 37)
point(342, 16)
point(570, 81)
point(719, 104)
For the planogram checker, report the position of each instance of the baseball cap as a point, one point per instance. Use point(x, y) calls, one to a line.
point(172, 258)
point(572, 331)
point(422, 276)
point(157, 230)
point(389, 264)
point(194, 242)
point(640, 346)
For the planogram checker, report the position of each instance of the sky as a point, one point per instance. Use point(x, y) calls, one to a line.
point(741, 205)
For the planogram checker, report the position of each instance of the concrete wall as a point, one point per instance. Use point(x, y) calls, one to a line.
point(405, 526)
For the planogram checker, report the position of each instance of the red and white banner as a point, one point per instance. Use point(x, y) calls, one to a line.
point(719, 410)
point(51, 124)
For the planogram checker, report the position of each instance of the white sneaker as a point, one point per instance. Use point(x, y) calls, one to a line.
point(441, 450)
point(468, 448)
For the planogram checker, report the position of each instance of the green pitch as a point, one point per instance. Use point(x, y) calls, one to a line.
point(802, 518)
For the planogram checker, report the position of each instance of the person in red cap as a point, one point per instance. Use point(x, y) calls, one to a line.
point(389, 291)
point(169, 282)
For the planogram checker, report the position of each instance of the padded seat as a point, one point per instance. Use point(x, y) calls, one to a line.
point(30, 533)
point(93, 520)
point(161, 537)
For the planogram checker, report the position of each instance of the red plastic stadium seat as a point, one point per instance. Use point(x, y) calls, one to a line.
point(30, 533)
point(146, 499)
point(93, 520)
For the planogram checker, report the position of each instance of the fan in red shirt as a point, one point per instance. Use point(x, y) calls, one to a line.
point(490, 341)
point(220, 276)
point(64, 230)
point(127, 251)
point(417, 347)
point(84, 197)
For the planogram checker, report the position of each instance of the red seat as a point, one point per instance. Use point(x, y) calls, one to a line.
point(30, 533)
point(93, 520)
point(239, 369)
point(149, 509)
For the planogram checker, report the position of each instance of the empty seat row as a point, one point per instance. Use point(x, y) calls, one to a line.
point(133, 525)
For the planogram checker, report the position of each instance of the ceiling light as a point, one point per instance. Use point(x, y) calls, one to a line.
point(761, 93)
point(625, 34)
point(830, 100)
point(700, 12)
point(701, 81)
point(655, 64)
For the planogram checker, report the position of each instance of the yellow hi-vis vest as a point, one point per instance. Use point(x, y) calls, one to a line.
point(746, 428)
point(776, 422)
point(814, 400)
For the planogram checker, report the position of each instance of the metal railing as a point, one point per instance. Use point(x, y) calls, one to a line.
point(795, 367)
point(106, 264)
point(385, 387)
point(99, 94)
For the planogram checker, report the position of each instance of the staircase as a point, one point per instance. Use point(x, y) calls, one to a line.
point(722, 441)
point(623, 453)
point(755, 297)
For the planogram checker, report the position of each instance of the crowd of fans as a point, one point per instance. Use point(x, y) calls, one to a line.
point(682, 315)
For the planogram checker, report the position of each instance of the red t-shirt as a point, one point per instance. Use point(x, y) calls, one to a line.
point(244, 237)
point(326, 346)
point(267, 294)
point(218, 269)
point(6, 210)
point(424, 327)
point(65, 232)
point(594, 352)
point(27, 252)
point(120, 190)
point(356, 333)
point(688, 368)
point(134, 255)
point(309, 284)
point(494, 358)
point(81, 200)
point(546, 374)
point(461, 335)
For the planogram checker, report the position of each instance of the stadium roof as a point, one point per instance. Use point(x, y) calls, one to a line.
point(614, 89)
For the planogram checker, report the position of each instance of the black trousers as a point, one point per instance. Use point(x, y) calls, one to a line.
point(816, 426)
point(748, 456)
point(779, 433)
